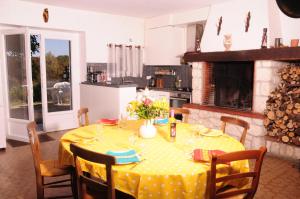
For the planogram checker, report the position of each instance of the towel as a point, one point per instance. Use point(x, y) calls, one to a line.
point(125, 157)
point(202, 155)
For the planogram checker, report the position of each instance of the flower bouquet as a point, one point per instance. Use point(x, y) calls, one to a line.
point(148, 109)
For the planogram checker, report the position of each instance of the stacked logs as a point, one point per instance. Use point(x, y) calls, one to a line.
point(282, 112)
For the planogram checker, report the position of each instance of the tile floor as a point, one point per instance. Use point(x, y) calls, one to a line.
point(280, 179)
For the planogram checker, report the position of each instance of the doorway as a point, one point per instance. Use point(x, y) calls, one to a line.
point(41, 84)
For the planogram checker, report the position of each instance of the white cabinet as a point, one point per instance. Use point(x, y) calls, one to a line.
point(164, 45)
point(105, 102)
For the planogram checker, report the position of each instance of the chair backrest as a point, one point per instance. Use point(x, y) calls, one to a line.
point(185, 113)
point(35, 148)
point(83, 112)
point(235, 121)
point(256, 155)
point(87, 181)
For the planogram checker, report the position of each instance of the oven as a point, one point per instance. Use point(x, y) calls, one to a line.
point(178, 99)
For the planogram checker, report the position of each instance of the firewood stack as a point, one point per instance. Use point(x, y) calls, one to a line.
point(282, 113)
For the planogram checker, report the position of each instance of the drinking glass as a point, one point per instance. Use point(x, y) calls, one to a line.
point(133, 139)
point(188, 147)
point(99, 132)
point(123, 120)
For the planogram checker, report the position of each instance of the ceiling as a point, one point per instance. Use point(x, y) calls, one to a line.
point(134, 8)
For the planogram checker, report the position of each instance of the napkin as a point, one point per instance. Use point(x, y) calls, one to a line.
point(161, 121)
point(108, 121)
point(202, 155)
point(125, 157)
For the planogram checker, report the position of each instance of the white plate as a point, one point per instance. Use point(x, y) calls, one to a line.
point(211, 133)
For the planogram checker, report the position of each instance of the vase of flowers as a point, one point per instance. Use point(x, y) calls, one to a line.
point(148, 109)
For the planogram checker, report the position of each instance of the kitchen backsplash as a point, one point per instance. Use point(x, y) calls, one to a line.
point(167, 74)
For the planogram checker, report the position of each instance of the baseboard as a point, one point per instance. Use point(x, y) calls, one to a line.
point(18, 138)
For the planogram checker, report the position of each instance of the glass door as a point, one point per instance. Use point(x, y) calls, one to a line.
point(60, 73)
point(18, 88)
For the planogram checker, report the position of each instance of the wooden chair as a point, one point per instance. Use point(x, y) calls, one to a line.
point(235, 121)
point(248, 193)
point(88, 187)
point(83, 112)
point(182, 111)
point(46, 168)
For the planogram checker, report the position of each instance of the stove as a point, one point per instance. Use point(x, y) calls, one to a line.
point(179, 97)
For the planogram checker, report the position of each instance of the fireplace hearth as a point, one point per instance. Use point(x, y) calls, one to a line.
point(229, 84)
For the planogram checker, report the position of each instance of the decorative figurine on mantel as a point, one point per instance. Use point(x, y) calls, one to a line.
point(227, 42)
point(264, 38)
point(197, 46)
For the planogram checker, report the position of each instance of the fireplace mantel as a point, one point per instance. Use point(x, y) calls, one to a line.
point(276, 54)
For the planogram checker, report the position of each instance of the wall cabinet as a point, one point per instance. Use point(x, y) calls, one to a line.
point(165, 45)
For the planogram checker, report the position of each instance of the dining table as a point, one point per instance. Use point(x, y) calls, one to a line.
point(166, 168)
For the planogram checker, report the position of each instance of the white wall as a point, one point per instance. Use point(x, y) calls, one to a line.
point(177, 19)
point(234, 14)
point(282, 26)
point(100, 28)
point(264, 14)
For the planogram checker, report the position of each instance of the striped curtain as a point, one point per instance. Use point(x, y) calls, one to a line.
point(125, 61)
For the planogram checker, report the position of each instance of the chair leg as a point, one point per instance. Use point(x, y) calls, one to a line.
point(74, 184)
point(40, 188)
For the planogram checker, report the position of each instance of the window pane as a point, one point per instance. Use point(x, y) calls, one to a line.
point(16, 76)
point(35, 41)
point(58, 75)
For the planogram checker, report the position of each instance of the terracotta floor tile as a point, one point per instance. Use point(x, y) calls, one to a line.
point(280, 179)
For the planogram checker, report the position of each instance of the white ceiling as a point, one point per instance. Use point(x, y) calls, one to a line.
point(135, 8)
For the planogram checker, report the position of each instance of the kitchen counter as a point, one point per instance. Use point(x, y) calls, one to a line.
point(164, 89)
point(124, 85)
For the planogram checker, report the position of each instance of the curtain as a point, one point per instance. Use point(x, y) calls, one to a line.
point(124, 61)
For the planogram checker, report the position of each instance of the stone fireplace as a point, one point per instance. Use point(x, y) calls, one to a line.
point(265, 79)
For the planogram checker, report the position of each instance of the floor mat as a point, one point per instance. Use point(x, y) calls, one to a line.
point(42, 137)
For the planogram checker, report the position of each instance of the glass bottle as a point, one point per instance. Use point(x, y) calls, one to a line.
point(172, 126)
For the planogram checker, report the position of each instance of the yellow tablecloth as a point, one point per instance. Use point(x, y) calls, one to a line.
point(167, 170)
